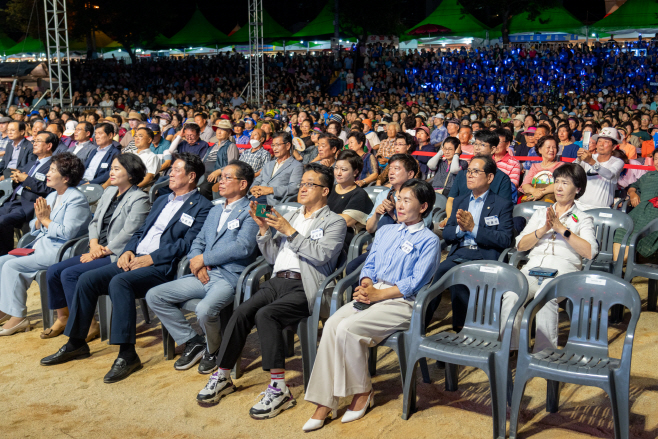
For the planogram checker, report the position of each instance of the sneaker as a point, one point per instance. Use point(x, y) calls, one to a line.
point(191, 356)
point(208, 363)
point(273, 402)
point(218, 385)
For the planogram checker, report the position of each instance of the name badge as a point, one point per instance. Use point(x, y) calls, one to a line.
point(491, 220)
point(39, 176)
point(104, 165)
point(317, 234)
point(233, 224)
point(187, 220)
point(407, 247)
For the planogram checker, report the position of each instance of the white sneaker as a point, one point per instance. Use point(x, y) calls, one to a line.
point(273, 402)
point(218, 386)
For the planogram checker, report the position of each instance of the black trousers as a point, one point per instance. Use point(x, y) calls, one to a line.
point(11, 215)
point(277, 304)
point(123, 287)
point(458, 294)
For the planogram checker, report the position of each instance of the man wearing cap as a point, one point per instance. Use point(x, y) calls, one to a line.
point(160, 145)
point(207, 133)
point(19, 115)
point(19, 151)
point(240, 138)
point(99, 161)
point(249, 125)
point(440, 132)
point(4, 138)
point(603, 170)
point(133, 119)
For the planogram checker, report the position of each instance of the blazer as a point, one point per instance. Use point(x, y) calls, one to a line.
point(491, 240)
point(227, 252)
point(176, 239)
point(34, 188)
point(24, 156)
point(60, 148)
point(317, 257)
point(129, 216)
point(69, 220)
point(284, 182)
point(84, 152)
point(102, 173)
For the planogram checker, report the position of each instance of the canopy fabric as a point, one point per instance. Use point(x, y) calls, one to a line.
point(452, 15)
point(632, 15)
point(556, 19)
point(103, 41)
point(271, 29)
point(197, 32)
point(5, 42)
point(27, 45)
point(323, 24)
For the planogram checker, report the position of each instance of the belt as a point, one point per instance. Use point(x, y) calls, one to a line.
point(289, 275)
point(470, 247)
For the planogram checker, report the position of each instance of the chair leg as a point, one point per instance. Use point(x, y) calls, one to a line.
point(409, 392)
point(425, 372)
point(452, 377)
point(145, 311)
point(47, 314)
point(552, 396)
point(498, 384)
point(105, 316)
point(236, 372)
point(519, 389)
point(170, 344)
point(620, 409)
point(653, 295)
point(372, 361)
point(307, 364)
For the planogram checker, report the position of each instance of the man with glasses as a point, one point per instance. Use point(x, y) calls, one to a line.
point(221, 251)
point(480, 228)
point(279, 177)
point(303, 247)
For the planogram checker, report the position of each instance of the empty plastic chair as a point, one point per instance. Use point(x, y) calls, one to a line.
point(93, 192)
point(373, 191)
point(635, 269)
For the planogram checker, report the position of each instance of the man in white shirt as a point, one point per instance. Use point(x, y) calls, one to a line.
point(602, 171)
point(99, 161)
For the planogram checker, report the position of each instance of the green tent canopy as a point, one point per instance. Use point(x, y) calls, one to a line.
point(450, 14)
point(27, 45)
point(6, 43)
point(271, 29)
point(197, 32)
point(634, 15)
point(323, 24)
point(556, 19)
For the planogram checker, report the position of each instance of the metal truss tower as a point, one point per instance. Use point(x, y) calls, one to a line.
point(59, 68)
point(256, 61)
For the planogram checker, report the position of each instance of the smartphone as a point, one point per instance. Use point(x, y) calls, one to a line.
point(361, 306)
point(586, 136)
point(262, 210)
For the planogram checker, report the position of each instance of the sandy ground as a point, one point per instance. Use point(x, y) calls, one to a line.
point(72, 401)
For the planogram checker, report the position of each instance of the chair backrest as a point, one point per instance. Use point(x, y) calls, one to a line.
point(373, 191)
point(93, 192)
point(284, 208)
point(154, 189)
point(526, 210)
point(6, 190)
point(440, 203)
point(218, 201)
point(606, 222)
point(487, 281)
point(592, 294)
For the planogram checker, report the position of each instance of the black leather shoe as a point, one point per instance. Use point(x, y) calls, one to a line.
point(122, 370)
point(62, 356)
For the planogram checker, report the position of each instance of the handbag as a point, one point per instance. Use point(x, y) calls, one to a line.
point(541, 180)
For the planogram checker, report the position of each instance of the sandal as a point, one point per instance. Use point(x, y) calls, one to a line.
point(49, 333)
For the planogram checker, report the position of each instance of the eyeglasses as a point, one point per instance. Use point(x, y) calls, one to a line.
point(222, 178)
point(310, 185)
point(474, 172)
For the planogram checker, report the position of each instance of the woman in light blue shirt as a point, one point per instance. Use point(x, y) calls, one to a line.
point(402, 260)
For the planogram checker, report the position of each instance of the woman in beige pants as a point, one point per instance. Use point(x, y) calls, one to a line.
point(402, 260)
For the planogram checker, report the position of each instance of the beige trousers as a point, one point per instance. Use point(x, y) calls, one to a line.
point(341, 366)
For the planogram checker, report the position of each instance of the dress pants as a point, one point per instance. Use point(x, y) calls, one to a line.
point(217, 294)
point(341, 366)
point(277, 304)
point(123, 287)
point(63, 277)
point(11, 215)
point(16, 276)
point(458, 293)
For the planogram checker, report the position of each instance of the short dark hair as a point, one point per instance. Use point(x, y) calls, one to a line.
point(107, 128)
point(148, 131)
point(408, 162)
point(423, 192)
point(69, 166)
point(543, 140)
point(575, 173)
point(489, 137)
point(21, 124)
point(453, 141)
point(58, 123)
point(489, 164)
point(89, 128)
point(326, 173)
point(334, 142)
point(356, 162)
point(359, 137)
point(286, 137)
point(566, 126)
point(193, 163)
point(245, 171)
point(134, 167)
point(192, 126)
point(50, 138)
point(504, 132)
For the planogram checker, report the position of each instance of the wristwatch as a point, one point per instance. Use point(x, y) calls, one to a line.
point(293, 236)
point(596, 166)
point(567, 233)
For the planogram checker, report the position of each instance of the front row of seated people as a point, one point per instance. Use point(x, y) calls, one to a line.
point(135, 253)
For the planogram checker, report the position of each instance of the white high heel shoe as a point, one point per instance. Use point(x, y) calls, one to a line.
point(23, 326)
point(353, 415)
point(316, 424)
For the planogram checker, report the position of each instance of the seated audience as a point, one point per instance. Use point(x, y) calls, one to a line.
point(18, 150)
point(217, 157)
point(356, 141)
point(538, 180)
point(97, 165)
point(328, 147)
point(446, 164)
point(83, 145)
point(504, 160)
point(279, 177)
point(403, 145)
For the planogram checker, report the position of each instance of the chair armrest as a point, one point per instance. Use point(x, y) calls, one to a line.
point(587, 264)
point(25, 240)
point(362, 238)
point(183, 268)
point(341, 287)
point(239, 289)
point(632, 244)
point(503, 255)
point(517, 257)
point(67, 245)
point(263, 269)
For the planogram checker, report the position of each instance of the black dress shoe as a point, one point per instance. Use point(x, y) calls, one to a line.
point(62, 356)
point(121, 369)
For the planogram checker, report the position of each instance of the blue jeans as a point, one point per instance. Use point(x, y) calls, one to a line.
point(63, 277)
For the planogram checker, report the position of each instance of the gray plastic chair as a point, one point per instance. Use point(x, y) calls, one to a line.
point(284, 208)
point(153, 192)
point(93, 192)
point(6, 189)
point(635, 269)
point(477, 345)
point(439, 204)
point(359, 241)
point(585, 358)
point(105, 314)
point(373, 191)
point(606, 222)
point(524, 210)
point(292, 198)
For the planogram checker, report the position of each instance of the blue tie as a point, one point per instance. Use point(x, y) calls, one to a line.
point(20, 186)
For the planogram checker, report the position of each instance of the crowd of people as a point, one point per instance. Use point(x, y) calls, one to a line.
point(179, 134)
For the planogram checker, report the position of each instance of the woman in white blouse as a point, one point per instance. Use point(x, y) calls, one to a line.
point(556, 237)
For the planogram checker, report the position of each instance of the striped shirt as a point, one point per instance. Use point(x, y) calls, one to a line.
point(403, 256)
point(510, 166)
point(255, 159)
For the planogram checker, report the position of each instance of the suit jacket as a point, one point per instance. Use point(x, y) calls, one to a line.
point(33, 187)
point(84, 152)
point(102, 173)
point(24, 157)
point(228, 252)
point(129, 216)
point(491, 240)
point(317, 257)
point(284, 182)
point(176, 238)
point(69, 220)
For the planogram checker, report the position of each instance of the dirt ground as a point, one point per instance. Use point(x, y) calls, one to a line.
point(72, 401)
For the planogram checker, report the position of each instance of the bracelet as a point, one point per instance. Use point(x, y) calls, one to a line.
point(536, 234)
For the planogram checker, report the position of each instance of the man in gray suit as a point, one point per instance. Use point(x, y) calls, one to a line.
point(279, 177)
point(221, 251)
point(83, 146)
point(304, 247)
